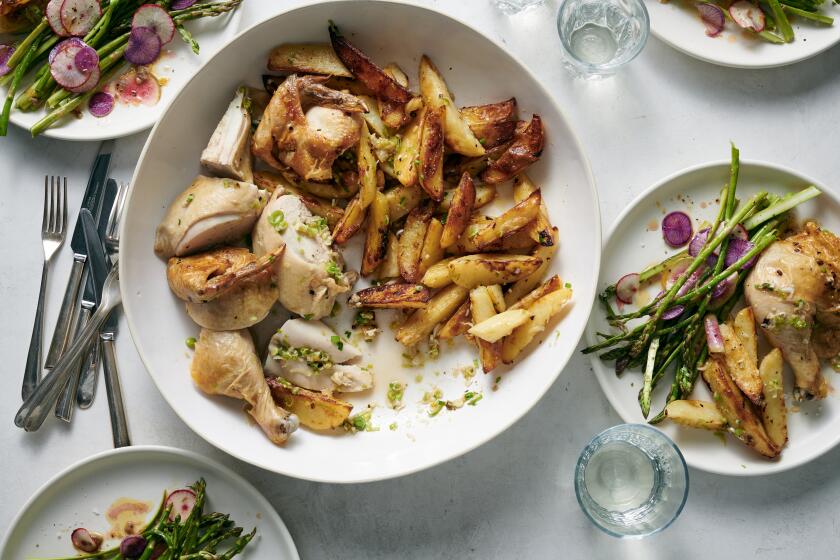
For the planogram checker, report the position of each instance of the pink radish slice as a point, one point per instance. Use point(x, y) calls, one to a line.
point(63, 67)
point(6, 52)
point(53, 15)
point(676, 229)
point(182, 502)
point(747, 15)
point(698, 242)
point(714, 338)
point(182, 4)
point(737, 249)
point(79, 16)
point(156, 18)
point(101, 104)
point(691, 281)
point(626, 287)
point(86, 541)
point(143, 46)
point(138, 86)
point(713, 17)
point(723, 291)
point(62, 45)
point(90, 83)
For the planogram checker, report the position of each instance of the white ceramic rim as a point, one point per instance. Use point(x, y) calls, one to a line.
point(536, 396)
point(593, 358)
point(226, 472)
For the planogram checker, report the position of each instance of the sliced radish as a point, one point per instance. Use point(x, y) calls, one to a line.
point(713, 17)
point(143, 46)
point(63, 67)
point(677, 270)
point(86, 541)
point(79, 16)
point(737, 249)
point(676, 229)
point(673, 312)
point(101, 104)
point(182, 502)
point(53, 15)
point(182, 4)
point(157, 19)
point(747, 15)
point(691, 281)
point(62, 45)
point(133, 546)
point(698, 242)
point(626, 287)
point(6, 52)
point(714, 338)
point(86, 59)
point(90, 83)
point(138, 86)
point(740, 232)
point(723, 291)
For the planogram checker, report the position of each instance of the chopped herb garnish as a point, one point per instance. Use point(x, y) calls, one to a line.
point(336, 341)
point(334, 271)
point(191, 343)
point(190, 198)
point(396, 391)
point(278, 221)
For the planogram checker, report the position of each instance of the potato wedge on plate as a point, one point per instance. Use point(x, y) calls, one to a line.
point(695, 414)
point(315, 410)
point(350, 223)
point(774, 413)
point(423, 321)
point(376, 241)
point(431, 153)
point(509, 222)
point(526, 149)
point(541, 311)
point(460, 210)
point(741, 365)
point(524, 286)
point(490, 268)
point(402, 200)
point(500, 325)
point(458, 324)
point(393, 296)
point(411, 242)
point(437, 276)
point(482, 310)
point(744, 327)
point(307, 58)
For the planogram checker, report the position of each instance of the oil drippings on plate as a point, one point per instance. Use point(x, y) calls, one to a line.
point(127, 516)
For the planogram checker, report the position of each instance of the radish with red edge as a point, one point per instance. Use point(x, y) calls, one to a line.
point(63, 67)
point(182, 4)
point(737, 249)
point(6, 52)
point(713, 18)
point(79, 16)
point(723, 291)
point(182, 502)
point(677, 270)
point(626, 287)
point(740, 232)
point(101, 104)
point(53, 14)
point(747, 15)
point(133, 546)
point(90, 83)
point(64, 44)
point(157, 19)
point(676, 229)
point(691, 281)
point(698, 242)
point(714, 338)
point(143, 46)
point(86, 541)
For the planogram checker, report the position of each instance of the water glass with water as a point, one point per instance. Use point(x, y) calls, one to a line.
point(600, 36)
point(516, 6)
point(631, 481)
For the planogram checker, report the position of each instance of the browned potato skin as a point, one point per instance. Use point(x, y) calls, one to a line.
point(459, 212)
point(350, 222)
point(402, 200)
point(483, 269)
point(510, 222)
point(307, 58)
point(695, 414)
point(741, 367)
point(431, 153)
point(392, 296)
point(376, 241)
point(270, 180)
point(408, 152)
point(367, 164)
point(736, 408)
point(522, 287)
point(423, 321)
point(492, 113)
point(526, 149)
point(411, 242)
point(315, 410)
point(484, 194)
point(366, 71)
point(432, 251)
point(774, 413)
point(395, 115)
point(494, 135)
point(481, 308)
point(390, 267)
point(542, 310)
point(458, 324)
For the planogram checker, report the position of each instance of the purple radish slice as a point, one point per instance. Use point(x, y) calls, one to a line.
point(723, 291)
point(747, 15)
point(90, 83)
point(676, 229)
point(673, 312)
point(86, 541)
point(143, 46)
point(64, 70)
point(677, 270)
point(155, 18)
point(53, 15)
point(740, 232)
point(86, 59)
point(714, 338)
point(133, 546)
point(698, 242)
point(79, 16)
point(182, 502)
point(737, 249)
point(713, 17)
point(62, 45)
point(626, 287)
point(6, 52)
point(182, 4)
point(101, 104)
point(691, 281)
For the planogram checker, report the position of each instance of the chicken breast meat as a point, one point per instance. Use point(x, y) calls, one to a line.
point(310, 273)
point(209, 212)
point(226, 363)
point(306, 126)
point(795, 295)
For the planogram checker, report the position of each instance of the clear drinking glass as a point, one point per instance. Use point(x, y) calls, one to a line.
point(599, 36)
point(515, 6)
point(631, 481)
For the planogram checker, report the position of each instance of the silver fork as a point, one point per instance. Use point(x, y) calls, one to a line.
point(53, 232)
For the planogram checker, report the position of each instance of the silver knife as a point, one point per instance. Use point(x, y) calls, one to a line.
point(67, 316)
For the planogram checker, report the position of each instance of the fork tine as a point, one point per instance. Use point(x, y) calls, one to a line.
point(44, 221)
point(53, 203)
point(64, 207)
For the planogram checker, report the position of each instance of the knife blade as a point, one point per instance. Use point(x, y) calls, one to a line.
point(69, 309)
point(97, 260)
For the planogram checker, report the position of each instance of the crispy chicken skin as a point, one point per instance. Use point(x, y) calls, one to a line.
point(306, 126)
point(795, 295)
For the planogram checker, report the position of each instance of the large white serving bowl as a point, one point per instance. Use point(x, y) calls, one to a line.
point(478, 71)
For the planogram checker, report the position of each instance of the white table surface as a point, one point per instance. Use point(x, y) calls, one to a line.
point(513, 497)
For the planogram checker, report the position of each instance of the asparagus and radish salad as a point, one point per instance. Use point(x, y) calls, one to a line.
point(675, 332)
point(76, 46)
point(768, 19)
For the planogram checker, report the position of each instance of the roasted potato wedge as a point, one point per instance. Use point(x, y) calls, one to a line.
point(440, 308)
point(458, 324)
point(315, 410)
point(411, 242)
point(390, 268)
point(435, 95)
point(407, 158)
point(460, 211)
point(500, 325)
point(432, 251)
point(741, 366)
point(492, 113)
point(431, 153)
point(541, 311)
point(307, 58)
point(744, 327)
point(484, 195)
point(494, 135)
point(522, 287)
point(736, 408)
point(695, 414)
point(392, 296)
point(774, 413)
point(402, 200)
point(498, 297)
point(395, 115)
point(366, 71)
point(525, 301)
point(376, 241)
point(437, 275)
point(482, 310)
point(509, 222)
point(373, 116)
point(525, 149)
point(367, 168)
point(540, 229)
point(485, 268)
point(350, 222)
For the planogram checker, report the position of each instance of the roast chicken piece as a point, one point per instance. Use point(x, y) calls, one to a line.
point(229, 152)
point(209, 212)
point(795, 296)
point(306, 126)
point(243, 306)
point(311, 355)
point(310, 273)
point(226, 363)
